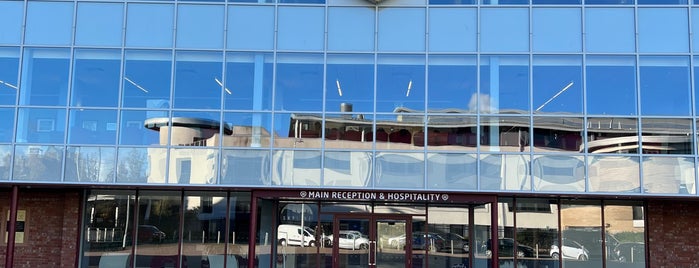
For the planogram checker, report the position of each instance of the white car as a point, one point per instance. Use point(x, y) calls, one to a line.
point(397, 241)
point(571, 250)
point(351, 240)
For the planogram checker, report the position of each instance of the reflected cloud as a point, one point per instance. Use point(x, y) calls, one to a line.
point(483, 99)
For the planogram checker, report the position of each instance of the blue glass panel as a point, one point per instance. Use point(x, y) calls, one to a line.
point(296, 168)
point(133, 165)
point(664, 85)
point(41, 125)
point(351, 29)
point(695, 25)
point(453, 29)
point(96, 78)
point(662, 2)
point(6, 156)
point(399, 170)
point(92, 126)
point(301, 28)
point(611, 85)
point(38, 163)
point(302, 1)
point(149, 25)
point(7, 124)
point(9, 69)
point(45, 76)
point(350, 79)
point(146, 80)
point(90, 164)
point(299, 84)
point(494, 29)
point(610, 30)
point(11, 22)
point(505, 2)
point(696, 85)
point(132, 130)
point(504, 84)
point(451, 83)
point(191, 34)
point(248, 129)
point(556, 2)
point(252, 1)
point(663, 30)
point(401, 29)
point(609, 2)
point(99, 24)
point(452, 2)
point(195, 80)
point(248, 84)
point(557, 30)
point(557, 84)
point(250, 27)
point(49, 23)
point(400, 83)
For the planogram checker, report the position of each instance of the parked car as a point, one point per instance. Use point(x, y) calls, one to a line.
point(351, 240)
point(506, 248)
point(397, 241)
point(631, 252)
point(571, 250)
point(150, 234)
point(294, 235)
point(455, 242)
point(427, 241)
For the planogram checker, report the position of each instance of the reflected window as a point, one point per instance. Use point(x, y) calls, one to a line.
point(146, 81)
point(248, 84)
point(37, 163)
point(557, 84)
point(11, 22)
point(96, 78)
point(504, 133)
point(610, 29)
point(196, 75)
point(92, 126)
point(664, 85)
point(400, 83)
point(452, 29)
point(350, 80)
point(557, 29)
point(190, 34)
point(401, 29)
point(351, 29)
point(452, 83)
point(90, 164)
point(611, 85)
point(48, 84)
point(41, 125)
point(299, 82)
point(504, 84)
point(149, 25)
point(301, 28)
point(49, 23)
point(9, 70)
point(99, 24)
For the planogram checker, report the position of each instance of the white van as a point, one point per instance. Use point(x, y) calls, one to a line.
point(294, 235)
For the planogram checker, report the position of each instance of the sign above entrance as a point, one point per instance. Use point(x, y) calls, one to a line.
point(380, 196)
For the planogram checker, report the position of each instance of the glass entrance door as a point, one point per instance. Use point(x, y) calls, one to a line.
point(371, 241)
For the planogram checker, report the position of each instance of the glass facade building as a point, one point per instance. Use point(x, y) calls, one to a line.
point(392, 133)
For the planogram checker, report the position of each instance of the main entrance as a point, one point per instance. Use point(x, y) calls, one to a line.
point(372, 240)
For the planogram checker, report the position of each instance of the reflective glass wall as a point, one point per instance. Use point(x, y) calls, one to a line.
point(584, 97)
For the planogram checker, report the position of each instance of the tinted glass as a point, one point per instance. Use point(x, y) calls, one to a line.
point(494, 29)
point(557, 84)
point(248, 84)
point(49, 23)
point(557, 30)
point(603, 36)
point(9, 70)
point(451, 83)
point(96, 78)
point(92, 126)
point(37, 163)
point(48, 84)
point(132, 130)
point(663, 30)
point(41, 125)
point(7, 124)
point(614, 174)
point(452, 29)
point(611, 85)
point(196, 74)
point(90, 164)
point(301, 28)
point(146, 80)
point(504, 84)
point(250, 27)
point(664, 85)
point(149, 25)
point(11, 22)
point(350, 80)
point(191, 34)
point(400, 83)
point(401, 29)
point(99, 24)
point(351, 29)
point(299, 83)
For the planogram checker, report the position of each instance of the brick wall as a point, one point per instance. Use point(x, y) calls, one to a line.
point(673, 233)
point(51, 228)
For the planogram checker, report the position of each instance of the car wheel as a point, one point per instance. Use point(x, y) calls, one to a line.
point(520, 254)
point(282, 242)
point(582, 258)
point(555, 256)
point(364, 246)
point(312, 243)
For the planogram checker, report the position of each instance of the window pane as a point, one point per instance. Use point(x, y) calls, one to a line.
point(41, 125)
point(557, 84)
point(37, 163)
point(48, 82)
point(90, 164)
point(611, 85)
point(297, 130)
point(399, 170)
point(666, 136)
point(350, 80)
point(158, 228)
point(609, 2)
point(246, 167)
point(452, 83)
point(662, 2)
point(557, 30)
point(400, 83)
point(9, 69)
point(191, 166)
point(617, 174)
point(537, 229)
point(132, 130)
point(612, 135)
point(146, 80)
point(7, 125)
point(250, 27)
point(558, 134)
point(301, 28)
point(92, 126)
point(96, 78)
point(494, 29)
point(555, 2)
point(664, 86)
point(504, 172)
point(503, 133)
point(99, 24)
point(586, 231)
point(297, 168)
point(626, 221)
point(49, 23)
point(663, 30)
point(452, 29)
point(190, 34)
point(452, 171)
point(504, 84)
point(351, 29)
point(205, 227)
point(248, 83)
point(299, 84)
point(11, 22)
point(347, 169)
point(401, 29)
point(195, 80)
point(505, 2)
point(668, 175)
point(553, 173)
point(149, 25)
point(248, 129)
point(111, 210)
point(133, 165)
point(609, 30)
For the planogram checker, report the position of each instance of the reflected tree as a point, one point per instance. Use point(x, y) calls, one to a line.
point(132, 166)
